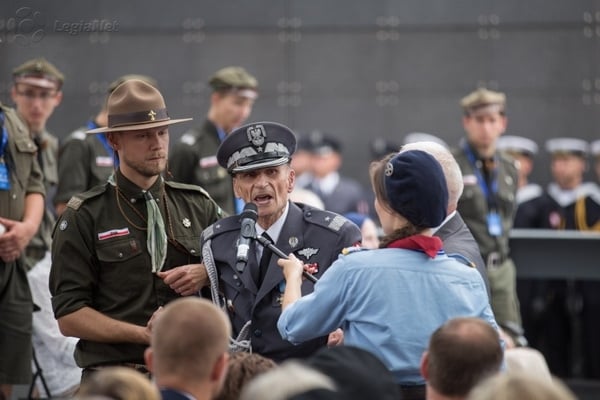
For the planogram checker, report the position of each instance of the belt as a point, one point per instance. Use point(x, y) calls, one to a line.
point(495, 260)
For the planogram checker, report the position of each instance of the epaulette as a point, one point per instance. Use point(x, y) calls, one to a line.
point(326, 219)
point(188, 139)
point(221, 226)
point(185, 186)
point(77, 200)
point(462, 259)
point(353, 249)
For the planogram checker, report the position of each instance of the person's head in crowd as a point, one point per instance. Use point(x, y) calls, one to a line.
point(484, 120)
point(306, 196)
point(36, 92)
point(303, 157)
point(527, 360)
point(512, 386)
point(234, 92)
point(595, 150)
point(327, 154)
point(521, 149)
point(452, 172)
point(258, 157)
point(380, 147)
point(568, 162)
point(411, 194)
point(357, 373)
point(287, 381)
point(101, 118)
point(414, 137)
point(368, 229)
point(118, 383)
point(189, 347)
point(243, 367)
point(461, 353)
point(138, 131)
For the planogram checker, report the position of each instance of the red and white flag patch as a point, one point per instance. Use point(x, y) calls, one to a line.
point(113, 233)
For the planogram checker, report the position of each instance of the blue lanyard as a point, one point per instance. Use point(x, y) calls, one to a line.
point(221, 133)
point(4, 141)
point(489, 192)
point(102, 138)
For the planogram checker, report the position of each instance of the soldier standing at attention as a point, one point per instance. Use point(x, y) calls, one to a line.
point(123, 249)
point(37, 92)
point(194, 157)
point(488, 202)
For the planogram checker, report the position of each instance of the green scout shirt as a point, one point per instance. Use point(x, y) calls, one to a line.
point(194, 161)
point(100, 256)
point(473, 205)
point(84, 163)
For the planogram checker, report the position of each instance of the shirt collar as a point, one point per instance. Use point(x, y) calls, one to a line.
point(275, 230)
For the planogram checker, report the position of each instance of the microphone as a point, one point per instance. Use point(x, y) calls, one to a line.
point(247, 233)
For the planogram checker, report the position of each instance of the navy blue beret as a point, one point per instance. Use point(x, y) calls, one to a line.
point(416, 188)
point(257, 145)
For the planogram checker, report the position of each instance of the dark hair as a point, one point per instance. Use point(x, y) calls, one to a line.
point(376, 171)
point(461, 353)
point(242, 368)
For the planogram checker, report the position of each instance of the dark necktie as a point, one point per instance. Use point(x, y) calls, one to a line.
point(38, 142)
point(264, 260)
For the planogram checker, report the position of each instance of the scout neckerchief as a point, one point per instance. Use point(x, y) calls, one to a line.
point(4, 175)
point(430, 245)
point(489, 187)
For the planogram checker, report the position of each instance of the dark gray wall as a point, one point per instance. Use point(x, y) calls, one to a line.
point(359, 69)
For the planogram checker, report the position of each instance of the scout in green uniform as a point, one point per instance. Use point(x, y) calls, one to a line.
point(194, 157)
point(21, 210)
point(87, 160)
point(37, 92)
point(124, 249)
point(488, 201)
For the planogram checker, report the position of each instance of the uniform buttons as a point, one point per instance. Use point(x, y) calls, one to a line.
point(235, 277)
point(133, 200)
point(14, 196)
point(308, 214)
point(238, 284)
point(193, 251)
point(257, 333)
point(120, 255)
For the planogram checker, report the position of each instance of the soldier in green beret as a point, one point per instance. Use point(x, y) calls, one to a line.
point(125, 248)
point(488, 202)
point(194, 158)
point(36, 92)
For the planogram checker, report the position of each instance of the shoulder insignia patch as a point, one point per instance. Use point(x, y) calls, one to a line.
point(337, 222)
point(185, 186)
point(352, 249)
point(75, 202)
point(223, 225)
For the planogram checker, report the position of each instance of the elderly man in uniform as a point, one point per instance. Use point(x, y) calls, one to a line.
point(87, 160)
point(258, 157)
point(37, 92)
point(487, 204)
point(123, 249)
point(194, 158)
point(21, 210)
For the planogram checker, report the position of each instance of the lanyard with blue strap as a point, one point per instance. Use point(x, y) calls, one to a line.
point(237, 202)
point(489, 189)
point(102, 138)
point(4, 175)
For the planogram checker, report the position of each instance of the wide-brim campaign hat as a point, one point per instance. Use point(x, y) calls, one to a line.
point(136, 105)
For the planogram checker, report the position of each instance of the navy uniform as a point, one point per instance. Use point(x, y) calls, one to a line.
point(112, 241)
point(43, 74)
point(194, 157)
point(488, 206)
point(20, 175)
point(315, 236)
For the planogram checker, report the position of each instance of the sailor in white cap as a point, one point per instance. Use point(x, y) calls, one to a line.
point(523, 150)
point(595, 150)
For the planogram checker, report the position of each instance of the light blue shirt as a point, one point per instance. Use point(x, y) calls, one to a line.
point(389, 302)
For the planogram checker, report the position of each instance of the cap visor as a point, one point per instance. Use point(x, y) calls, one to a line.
point(261, 164)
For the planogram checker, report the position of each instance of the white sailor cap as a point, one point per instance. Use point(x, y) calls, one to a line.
point(595, 148)
point(414, 137)
point(517, 144)
point(566, 145)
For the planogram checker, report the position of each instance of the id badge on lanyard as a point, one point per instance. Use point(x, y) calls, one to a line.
point(494, 223)
point(4, 173)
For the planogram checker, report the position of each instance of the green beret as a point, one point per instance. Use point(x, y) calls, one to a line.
point(39, 72)
point(483, 99)
point(233, 78)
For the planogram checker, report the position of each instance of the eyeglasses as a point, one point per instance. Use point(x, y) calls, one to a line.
point(31, 95)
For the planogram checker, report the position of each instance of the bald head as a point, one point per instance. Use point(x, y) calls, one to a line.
point(188, 338)
point(452, 172)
